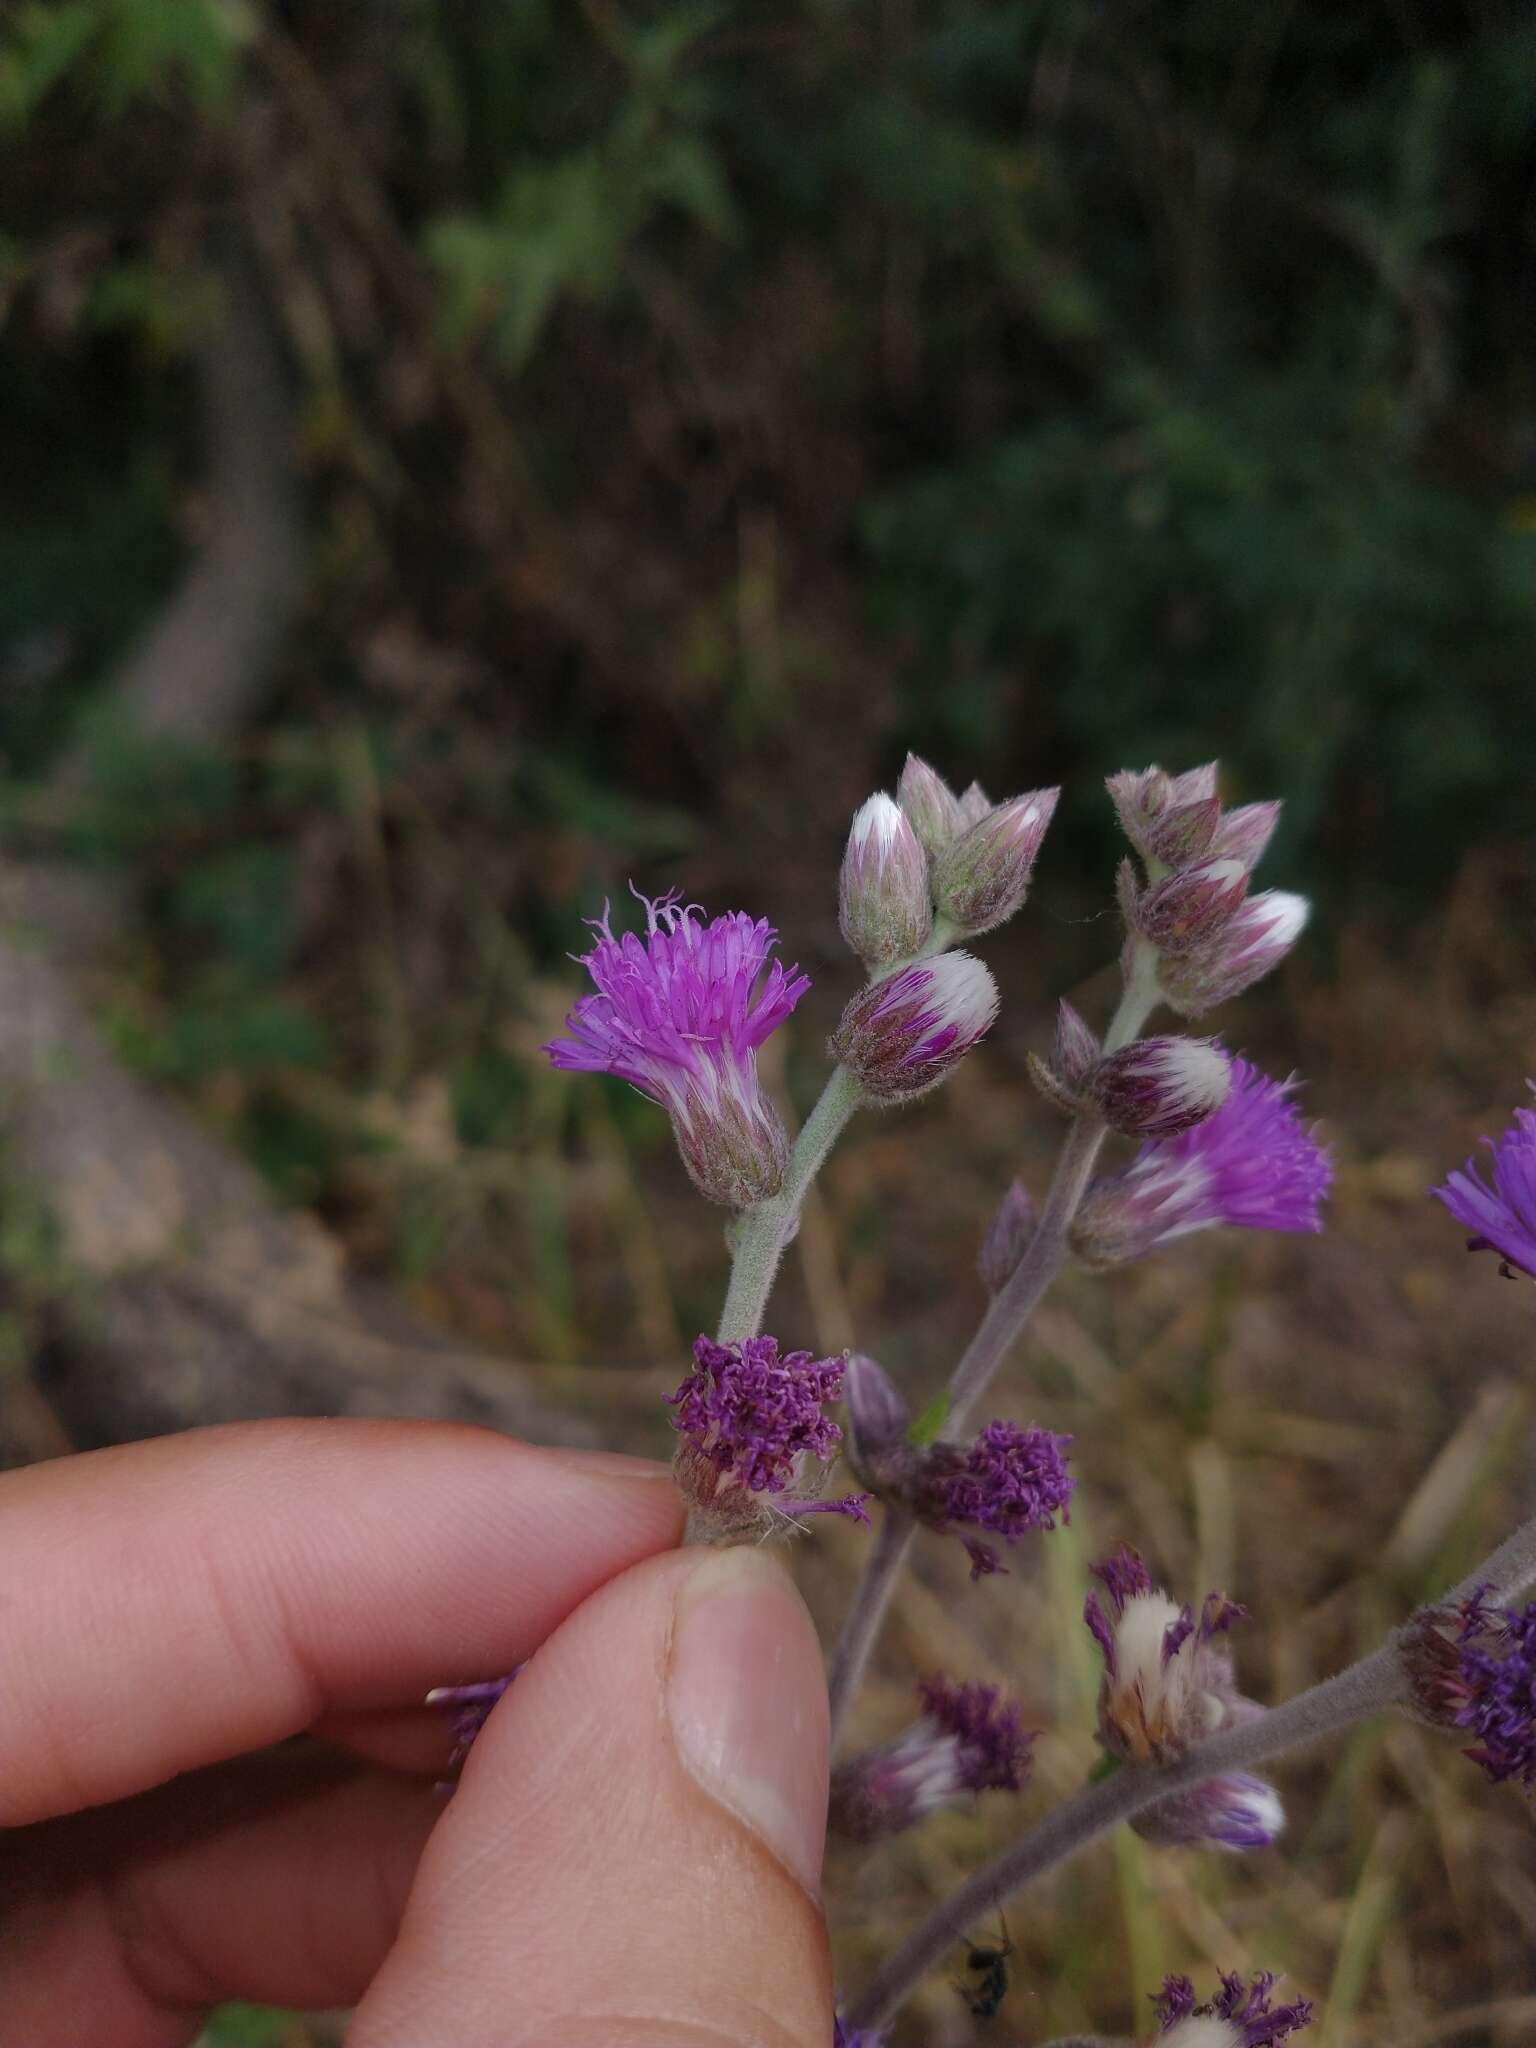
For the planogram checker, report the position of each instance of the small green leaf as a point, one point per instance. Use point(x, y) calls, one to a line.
point(928, 1426)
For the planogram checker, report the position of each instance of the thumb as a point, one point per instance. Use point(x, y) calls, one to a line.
point(632, 1857)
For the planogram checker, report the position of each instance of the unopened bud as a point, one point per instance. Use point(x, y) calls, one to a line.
point(1142, 796)
point(1243, 834)
point(1183, 834)
point(982, 877)
point(1236, 1812)
point(1252, 942)
point(1007, 1238)
point(931, 806)
point(1157, 1087)
point(1063, 1081)
point(878, 1421)
point(1191, 906)
point(884, 908)
point(903, 1035)
point(974, 805)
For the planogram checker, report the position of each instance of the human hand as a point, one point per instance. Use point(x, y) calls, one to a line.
point(630, 1860)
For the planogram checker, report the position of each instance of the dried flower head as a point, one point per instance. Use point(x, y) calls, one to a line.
point(885, 910)
point(1252, 1165)
point(905, 1034)
point(1165, 1684)
point(1502, 1217)
point(1008, 1482)
point(1239, 2016)
point(967, 1740)
point(1473, 1667)
point(680, 1015)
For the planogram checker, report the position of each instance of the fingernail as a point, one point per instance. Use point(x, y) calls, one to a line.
point(611, 1464)
point(749, 1703)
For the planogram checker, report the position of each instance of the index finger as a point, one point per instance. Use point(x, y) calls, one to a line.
point(169, 1604)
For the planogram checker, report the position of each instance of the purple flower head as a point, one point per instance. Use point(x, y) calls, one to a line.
point(1158, 1087)
point(1237, 1812)
point(1252, 1165)
point(967, 1741)
point(1248, 2015)
point(1165, 1684)
point(905, 1034)
point(1474, 1667)
point(468, 1708)
point(680, 1014)
point(750, 1419)
point(885, 909)
point(1502, 1218)
point(1008, 1481)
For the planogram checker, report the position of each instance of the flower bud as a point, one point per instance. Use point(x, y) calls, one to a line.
point(1243, 834)
point(878, 1421)
point(974, 806)
point(1007, 1238)
point(1254, 939)
point(1236, 1812)
point(1183, 834)
point(967, 1741)
point(1064, 1082)
point(1142, 796)
point(883, 906)
point(1157, 1087)
point(931, 806)
point(903, 1035)
point(1191, 907)
point(982, 877)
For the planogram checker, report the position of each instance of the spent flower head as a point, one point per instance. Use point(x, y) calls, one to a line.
point(968, 1740)
point(1251, 1165)
point(680, 1014)
point(1166, 1684)
point(1502, 1217)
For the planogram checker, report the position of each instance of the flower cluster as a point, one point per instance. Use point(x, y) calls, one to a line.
point(1008, 1481)
point(1502, 1217)
point(1211, 937)
point(1473, 1666)
point(966, 1741)
point(1252, 1165)
point(1240, 2015)
point(680, 1015)
point(750, 1419)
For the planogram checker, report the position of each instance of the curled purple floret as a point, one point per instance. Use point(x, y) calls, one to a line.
point(1496, 1665)
point(1007, 1482)
point(992, 1742)
point(1249, 2009)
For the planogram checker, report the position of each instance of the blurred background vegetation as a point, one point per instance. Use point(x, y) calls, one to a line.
point(647, 421)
